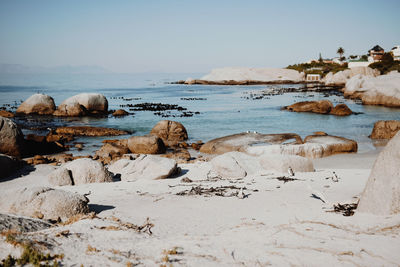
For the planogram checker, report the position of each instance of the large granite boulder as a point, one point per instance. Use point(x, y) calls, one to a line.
point(146, 145)
point(281, 163)
point(321, 107)
point(37, 104)
point(341, 110)
point(8, 165)
point(341, 77)
point(111, 151)
point(11, 138)
point(381, 195)
point(385, 129)
point(6, 114)
point(241, 141)
point(43, 203)
point(171, 132)
point(147, 167)
point(81, 171)
point(82, 104)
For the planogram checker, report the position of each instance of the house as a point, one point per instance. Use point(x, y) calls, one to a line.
point(396, 52)
point(376, 53)
point(313, 78)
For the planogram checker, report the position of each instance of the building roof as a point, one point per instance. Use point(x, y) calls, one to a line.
point(376, 48)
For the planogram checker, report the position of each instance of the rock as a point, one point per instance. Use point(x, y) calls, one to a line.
point(320, 133)
point(321, 107)
point(381, 195)
point(146, 167)
point(38, 159)
point(21, 224)
point(43, 203)
point(281, 163)
point(111, 151)
point(6, 114)
point(85, 170)
point(146, 145)
point(171, 132)
point(227, 166)
point(11, 138)
point(341, 110)
point(382, 90)
point(119, 113)
point(179, 155)
point(385, 129)
point(241, 141)
point(89, 131)
point(8, 165)
point(92, 103)
point(61, 176)
point(37, 104)
point(341, 77)
point(38, 145)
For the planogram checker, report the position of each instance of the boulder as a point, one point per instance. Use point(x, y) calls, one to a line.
point(11, 138)
point(341, 77)
point(341, 110)
point(241, 141)
point(171, 132)
point(147, 167)
point(37, 104)
point(43, 203)
point(281, 163)
point(92, 102)
point(85, 170)
point(6, 114)
point(89, 131)
point(180, 155)
point(61, 176)
point(70, 109)
point(111, 151)
point(321, 107)
point(227, 166)
point(22, 224)
point(38, 145)
point(8, 165)
point(385, 129)
point(381, 195)
point(146, 145)
point(119, 113)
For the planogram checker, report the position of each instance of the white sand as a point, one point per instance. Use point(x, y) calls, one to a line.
point(281, 224)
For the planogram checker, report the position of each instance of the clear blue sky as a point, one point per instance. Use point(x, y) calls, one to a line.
point(190, 36)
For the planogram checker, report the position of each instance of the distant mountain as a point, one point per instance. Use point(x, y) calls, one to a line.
point(18, 68)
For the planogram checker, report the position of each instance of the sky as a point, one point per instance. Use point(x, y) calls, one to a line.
point(191, 36)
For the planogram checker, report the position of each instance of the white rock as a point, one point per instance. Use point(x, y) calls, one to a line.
point(43, 203)
point(234, 165)
point(281, 163)
point(91, 101)
point(60, 177)
point(86, 171)
point(253, 74)
point(37, 104)
point(381, 195)
point(144, 167)
point(342, 77)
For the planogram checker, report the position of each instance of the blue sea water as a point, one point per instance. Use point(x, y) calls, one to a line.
point(223, 110)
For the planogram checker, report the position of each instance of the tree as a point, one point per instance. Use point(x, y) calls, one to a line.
point(320, 58)
point(340, 51)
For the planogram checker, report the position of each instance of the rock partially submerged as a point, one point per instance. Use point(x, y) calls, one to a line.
point(37, 104)
point(11, 138)
point(43, 203)
point(89, 131)
point(80, 171)
point(83, 104)
point(241, 141)
point(381, 195)
point(147, 167)
point(385, 129)
point(320, 107)
point(6, 114)
point(120, 113)
point(171, 132)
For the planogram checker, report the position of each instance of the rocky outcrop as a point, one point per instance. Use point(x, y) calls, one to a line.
point(341, 110)
point(382, 90)
point(341, 77)
point(80, 171)
point(111, 151)
point(281, 163)
point(11, 138)
point(37, 104)
point(89, 131)
point(22, 224)
point(120, 113)
point(8, 165)
point(241, 141)
point(146, 145)
point(385, 129)
point(82, 104)
point(321, 107)
point(171, 132)
point(43, 203)
point(6, 114)
point(228, 166)
point(38, 145)
point(147, 167)
point(381, 195)
point(180, 155)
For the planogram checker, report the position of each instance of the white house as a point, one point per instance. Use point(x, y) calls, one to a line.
point(396, 52)
point(313, 78)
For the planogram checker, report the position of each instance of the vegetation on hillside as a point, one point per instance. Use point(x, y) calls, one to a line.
point(318, 67)
point(387, 64)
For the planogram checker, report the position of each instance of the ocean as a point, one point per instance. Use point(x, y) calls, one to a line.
point(216, 110)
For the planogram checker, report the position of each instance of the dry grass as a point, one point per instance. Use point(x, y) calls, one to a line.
point(91, 249)
point(79, 217)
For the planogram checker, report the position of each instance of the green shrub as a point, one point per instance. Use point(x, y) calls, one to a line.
point(387, 64)
point(318, 67)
